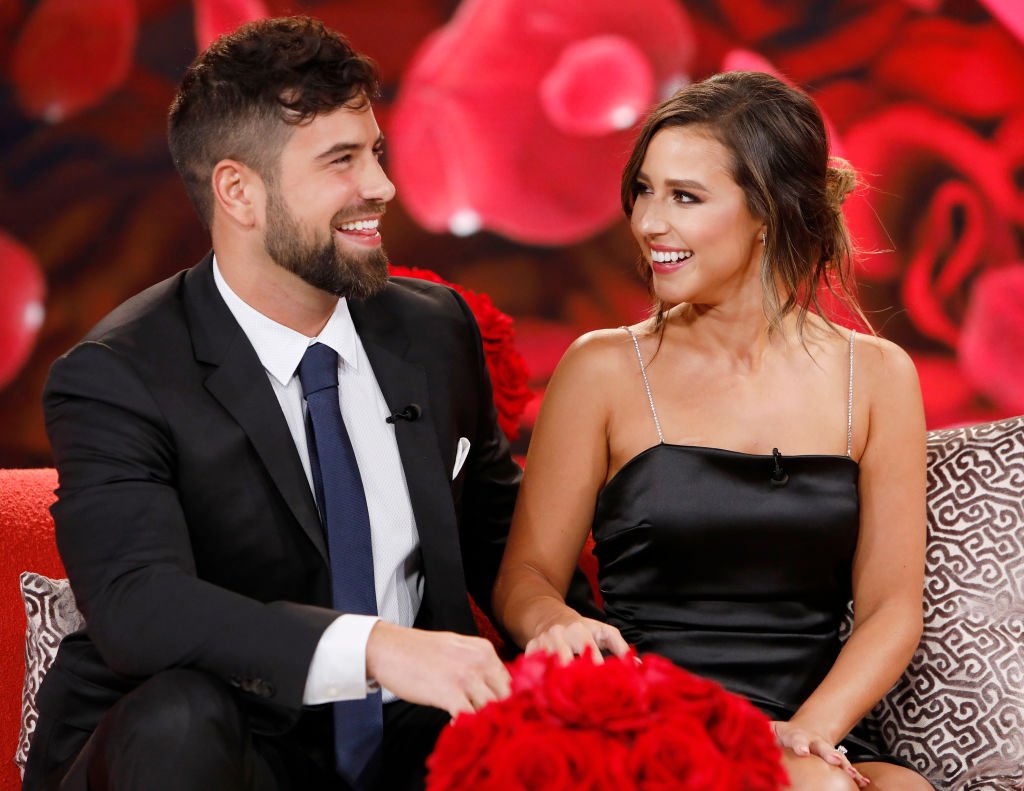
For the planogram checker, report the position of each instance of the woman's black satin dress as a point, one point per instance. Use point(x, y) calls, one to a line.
point(708, 561)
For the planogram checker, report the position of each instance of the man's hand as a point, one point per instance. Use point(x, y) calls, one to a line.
point(442, 669)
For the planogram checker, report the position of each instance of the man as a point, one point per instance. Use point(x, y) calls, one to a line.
point(230, 536)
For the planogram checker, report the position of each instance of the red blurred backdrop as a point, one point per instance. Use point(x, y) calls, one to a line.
point(508, 122)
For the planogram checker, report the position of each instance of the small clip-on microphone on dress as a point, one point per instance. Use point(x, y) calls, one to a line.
point(409, 412)
point(779, 476)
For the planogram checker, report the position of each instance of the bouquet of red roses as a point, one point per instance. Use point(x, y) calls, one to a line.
point(624, 724)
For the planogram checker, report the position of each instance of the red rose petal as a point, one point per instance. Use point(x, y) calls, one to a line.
point(390, 44)
point(848, 44)
point(21, 305)
point(472, 142)
point(981, 67)
point(598, 85)
point(905, 150)
point(214, 18)
point(1010, 140)
point(71, 54)
point(945, 388)
point(944, 258)
point(992, 337)
point(753, 20)
point(1010, 13)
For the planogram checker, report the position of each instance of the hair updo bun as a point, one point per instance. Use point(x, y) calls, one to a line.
point(840, 181)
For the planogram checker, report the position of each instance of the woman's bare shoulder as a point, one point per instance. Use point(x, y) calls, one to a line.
point(604, 352)
point(882, 360)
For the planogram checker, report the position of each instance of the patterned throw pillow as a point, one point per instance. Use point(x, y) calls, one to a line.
point(52, 614)
point(958, 712)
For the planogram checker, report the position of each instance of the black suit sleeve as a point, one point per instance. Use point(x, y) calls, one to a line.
point(491, 485)
point(127, 548)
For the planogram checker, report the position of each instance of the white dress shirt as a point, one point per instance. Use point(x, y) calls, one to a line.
point(338, 668)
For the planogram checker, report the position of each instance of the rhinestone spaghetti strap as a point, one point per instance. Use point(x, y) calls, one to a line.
point(647, 385)
point(849, 403)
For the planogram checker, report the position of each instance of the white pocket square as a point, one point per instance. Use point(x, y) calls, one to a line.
point(461, 452)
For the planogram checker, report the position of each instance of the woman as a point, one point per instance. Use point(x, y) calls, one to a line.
point(746, 466)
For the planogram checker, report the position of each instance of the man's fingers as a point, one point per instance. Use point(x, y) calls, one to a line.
point(479, 694)
point(499, 681)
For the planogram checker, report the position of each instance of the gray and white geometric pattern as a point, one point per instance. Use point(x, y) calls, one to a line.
point(958, 712)
point(52, 614)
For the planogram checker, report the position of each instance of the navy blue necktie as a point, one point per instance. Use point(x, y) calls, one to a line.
point(358, 724)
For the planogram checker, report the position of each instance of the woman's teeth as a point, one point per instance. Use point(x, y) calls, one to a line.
point(668, 258)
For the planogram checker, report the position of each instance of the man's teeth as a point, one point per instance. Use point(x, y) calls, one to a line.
point(360, 225)
point(668, 258)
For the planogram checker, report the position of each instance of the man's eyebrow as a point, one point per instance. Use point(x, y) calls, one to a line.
point(344, 148)
point(338, 148)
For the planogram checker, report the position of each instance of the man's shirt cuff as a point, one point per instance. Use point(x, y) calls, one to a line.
point(338, 669)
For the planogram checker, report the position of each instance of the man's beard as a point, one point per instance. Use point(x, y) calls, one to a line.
point(351, 275)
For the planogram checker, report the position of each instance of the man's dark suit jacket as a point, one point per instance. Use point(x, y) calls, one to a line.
point(186, 522)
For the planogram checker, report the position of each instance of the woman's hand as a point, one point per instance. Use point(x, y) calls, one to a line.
point(805, 743)
point(573, 637)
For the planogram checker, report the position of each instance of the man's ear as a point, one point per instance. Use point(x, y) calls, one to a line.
point(238, 192)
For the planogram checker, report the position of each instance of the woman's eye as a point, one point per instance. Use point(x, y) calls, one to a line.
point(684, 197)
point(640, 188)
point(343, 160)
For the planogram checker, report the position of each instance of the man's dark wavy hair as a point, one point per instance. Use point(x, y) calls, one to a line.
point(241, 97)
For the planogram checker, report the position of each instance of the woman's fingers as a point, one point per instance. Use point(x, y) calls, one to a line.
point(610, 639)
point(578, 638)
point(805, 743)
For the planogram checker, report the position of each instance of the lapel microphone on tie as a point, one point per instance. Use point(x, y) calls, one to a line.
point(409, 412)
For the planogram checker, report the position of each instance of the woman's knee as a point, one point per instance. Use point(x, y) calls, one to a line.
point(890, 777)
point(810, 773)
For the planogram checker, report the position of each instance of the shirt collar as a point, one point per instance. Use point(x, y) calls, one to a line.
point(280, 348)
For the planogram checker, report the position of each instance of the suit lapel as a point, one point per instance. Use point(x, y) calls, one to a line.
point(403, 381)
point(239, 382)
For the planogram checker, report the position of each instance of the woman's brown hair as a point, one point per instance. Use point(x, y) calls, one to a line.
point(779, 149)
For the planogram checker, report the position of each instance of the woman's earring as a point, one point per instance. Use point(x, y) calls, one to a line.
point(763, 237)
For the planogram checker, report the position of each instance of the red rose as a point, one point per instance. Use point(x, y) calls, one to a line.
point(992, 338)
point(535, 758)
point(70, 55)
point(683, 694)
point(679, 756)
point(912, 149)
point(610, 697)
point(742, 732)
point(455, 760)
point(982, 67)
point(21, 306)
